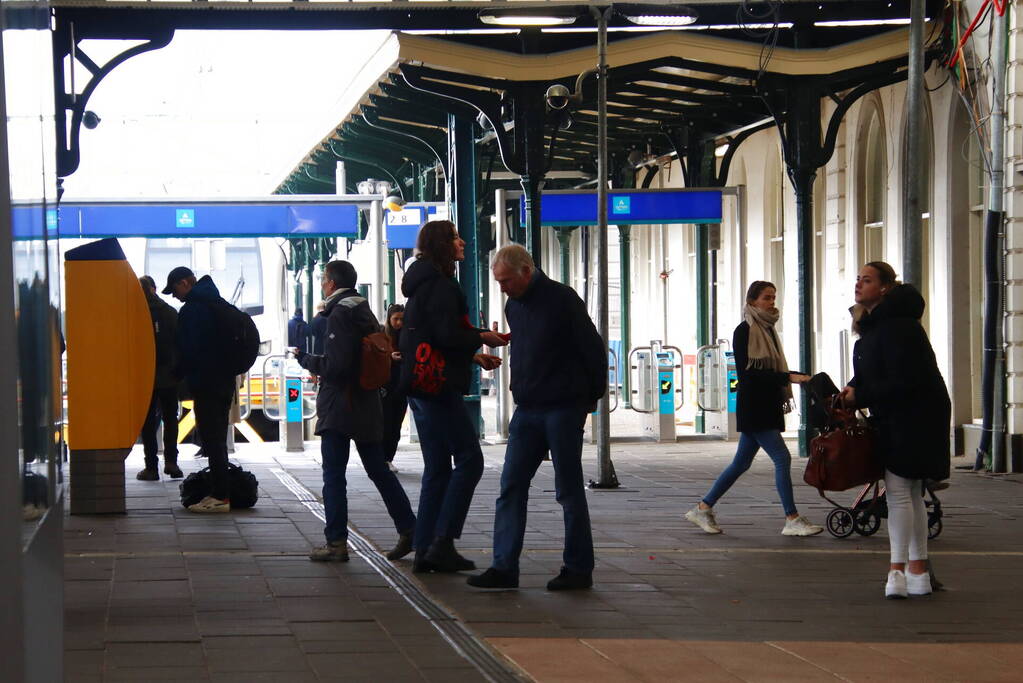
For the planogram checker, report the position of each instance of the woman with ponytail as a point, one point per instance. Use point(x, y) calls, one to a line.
point(764, 396)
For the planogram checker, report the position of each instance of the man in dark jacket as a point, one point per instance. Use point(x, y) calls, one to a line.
point(346, 412)
point(200, 363)
point(164, 402)
point(317, 331)
point(558, 373)
point(298, 331)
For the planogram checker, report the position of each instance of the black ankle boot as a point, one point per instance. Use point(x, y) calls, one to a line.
point(445, 558)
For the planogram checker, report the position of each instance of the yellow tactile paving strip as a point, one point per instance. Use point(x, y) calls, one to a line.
point(565, 660)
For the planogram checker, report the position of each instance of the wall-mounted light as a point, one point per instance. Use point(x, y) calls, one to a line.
point(394, 203)
point(526, 17)
point(658, 15)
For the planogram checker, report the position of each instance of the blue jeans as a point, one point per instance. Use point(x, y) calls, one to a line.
point(749, 443)
point(531, 433)
point(335, 448)
point(446, 434)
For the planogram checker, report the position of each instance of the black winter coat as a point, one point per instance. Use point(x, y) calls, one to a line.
point(438, 303)
point(760, 399)
point(165, 326)
point(198, 344)
point(557, 355)
point(341, 404)
point(897, 378)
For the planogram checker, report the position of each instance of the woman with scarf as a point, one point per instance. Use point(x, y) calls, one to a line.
point(764, 396)
point(897, 378)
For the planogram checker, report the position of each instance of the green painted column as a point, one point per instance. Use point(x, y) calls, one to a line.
point(462, 161)
point(564, 244)
point(625, 291)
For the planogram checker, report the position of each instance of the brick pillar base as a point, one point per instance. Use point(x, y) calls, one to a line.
point(97, 481)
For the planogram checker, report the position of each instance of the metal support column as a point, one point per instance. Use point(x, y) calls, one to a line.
point(376, 227)
point(606, 477)
point(912, 224)
point(564, 242)
point(625, 293)
point(462, 161)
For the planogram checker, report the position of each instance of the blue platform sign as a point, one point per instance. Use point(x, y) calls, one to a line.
point(629, 207)
point(403, 226)
point(229, 218)
point(293, 389)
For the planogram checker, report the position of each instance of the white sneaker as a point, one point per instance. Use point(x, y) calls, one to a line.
point(391, 466)
point(800, 526)
point(895, 588)
point(918, 584)
point(210, 504)
point(704, 519)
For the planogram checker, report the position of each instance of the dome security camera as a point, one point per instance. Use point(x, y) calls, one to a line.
point(90, 120)
point(557, 96)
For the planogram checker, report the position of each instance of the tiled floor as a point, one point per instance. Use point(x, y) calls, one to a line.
point(160, 594)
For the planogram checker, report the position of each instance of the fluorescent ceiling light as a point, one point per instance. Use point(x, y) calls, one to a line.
point(659, 15)
point(865, 22)
point(519, 17)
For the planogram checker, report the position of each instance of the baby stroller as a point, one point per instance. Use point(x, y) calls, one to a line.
point(866, 512)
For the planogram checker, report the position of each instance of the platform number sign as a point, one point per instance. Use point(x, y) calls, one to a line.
point(185, 218)
point(410, 216)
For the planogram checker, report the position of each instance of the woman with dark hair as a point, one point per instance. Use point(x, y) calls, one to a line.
point(764, 396)
point(896, 376)
point(395, 403)
point(446, 432)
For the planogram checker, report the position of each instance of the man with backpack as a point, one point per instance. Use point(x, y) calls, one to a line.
point(348, 409)
point(201, 347)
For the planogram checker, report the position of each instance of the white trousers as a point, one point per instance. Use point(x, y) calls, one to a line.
point(907, 518)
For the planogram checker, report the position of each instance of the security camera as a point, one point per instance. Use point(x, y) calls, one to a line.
point(90, 120)
point(557, 96)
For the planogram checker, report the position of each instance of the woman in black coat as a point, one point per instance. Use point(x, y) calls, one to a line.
point(436, 313)
point(897, 378)
point(764, 394)
point(392, 398)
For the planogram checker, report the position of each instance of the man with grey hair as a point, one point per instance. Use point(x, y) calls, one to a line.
point(558, 373)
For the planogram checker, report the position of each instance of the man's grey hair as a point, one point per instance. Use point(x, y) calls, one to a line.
point(515, 257)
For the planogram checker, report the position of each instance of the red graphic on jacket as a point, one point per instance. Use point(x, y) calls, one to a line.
point(428, 371)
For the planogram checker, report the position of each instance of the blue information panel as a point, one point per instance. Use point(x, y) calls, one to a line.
point(221, 219)
point(403, 226)
point(666, 383)
point(629, 207)
point(293, 389)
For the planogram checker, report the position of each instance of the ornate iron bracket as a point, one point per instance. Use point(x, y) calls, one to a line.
point(66, 43)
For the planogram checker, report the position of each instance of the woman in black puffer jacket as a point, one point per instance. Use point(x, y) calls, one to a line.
point(897, 378)
point(436, 312)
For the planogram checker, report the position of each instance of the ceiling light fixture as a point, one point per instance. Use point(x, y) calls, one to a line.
point(526, 17)
point(658, 15)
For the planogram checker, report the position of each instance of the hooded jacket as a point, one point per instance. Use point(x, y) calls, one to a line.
point(199, 352)
point(557, 355)
point(437, 303)
point(897, 378)
point(165, 326)
point(341, 404)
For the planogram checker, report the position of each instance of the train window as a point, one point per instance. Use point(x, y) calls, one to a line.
point(235, 264)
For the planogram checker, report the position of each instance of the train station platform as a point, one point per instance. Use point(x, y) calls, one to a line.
point(163, 594)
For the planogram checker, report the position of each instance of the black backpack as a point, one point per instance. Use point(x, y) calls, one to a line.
point(238, 338)
point(243, 487)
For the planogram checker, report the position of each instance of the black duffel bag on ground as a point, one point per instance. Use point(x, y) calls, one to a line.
point(243, 487)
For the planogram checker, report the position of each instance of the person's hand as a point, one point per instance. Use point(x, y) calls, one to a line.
point(395, 355)
point(486, 361)
point(798, 377)
point(293, 350)
point(848, 397)
point(493, 339)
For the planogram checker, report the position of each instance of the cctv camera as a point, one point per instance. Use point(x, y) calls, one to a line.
point(90, 120)
point(557, 96)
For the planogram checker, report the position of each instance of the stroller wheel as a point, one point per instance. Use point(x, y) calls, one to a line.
point(933, 526)
point(867, 523)
point(840, 522)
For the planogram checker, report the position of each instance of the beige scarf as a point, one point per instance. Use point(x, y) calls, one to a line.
point(764, 349)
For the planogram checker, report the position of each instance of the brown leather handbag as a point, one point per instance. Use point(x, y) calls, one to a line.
point(844, 455)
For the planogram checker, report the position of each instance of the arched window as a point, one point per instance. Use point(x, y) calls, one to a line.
point(775, 184)
point(871, 185)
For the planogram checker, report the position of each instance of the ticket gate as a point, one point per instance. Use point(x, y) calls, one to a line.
point(657, 391)
point(284, 397)
point(717, 383)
